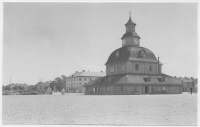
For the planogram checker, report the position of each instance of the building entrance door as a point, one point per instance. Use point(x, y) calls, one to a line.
point(96, 90)
point(146, 89)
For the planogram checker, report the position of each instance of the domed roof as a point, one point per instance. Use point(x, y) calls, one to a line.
point(131, 53)
point(130, 34)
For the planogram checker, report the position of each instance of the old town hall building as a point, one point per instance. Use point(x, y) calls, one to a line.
point(133, 69)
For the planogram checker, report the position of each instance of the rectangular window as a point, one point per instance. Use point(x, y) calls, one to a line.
point(165, 88)
point(136, 88)
point(90, 79)
point(150, 67)
point(111, 79)
point(121, 88)
point(122, 67)
point(85, 79)
point(136, 67)
point(112, 69)
point(79, 79)
point(108, 88)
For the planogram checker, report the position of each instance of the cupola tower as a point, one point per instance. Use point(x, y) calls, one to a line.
point(130, 38)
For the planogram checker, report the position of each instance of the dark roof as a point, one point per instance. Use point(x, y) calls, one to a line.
point(88, 74)
point(131, 53)
point(130, 34)
point(133, 80)
point(130, 22)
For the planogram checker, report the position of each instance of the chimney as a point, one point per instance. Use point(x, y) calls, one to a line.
point(76, 71)
point(83, 70)
point(101, 71)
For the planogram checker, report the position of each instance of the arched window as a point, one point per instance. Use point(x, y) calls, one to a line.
point(141, 53)
point(117, 54)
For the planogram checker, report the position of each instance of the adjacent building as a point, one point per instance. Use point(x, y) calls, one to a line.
point(75, 82)
point(133, 69)
point(188, 83)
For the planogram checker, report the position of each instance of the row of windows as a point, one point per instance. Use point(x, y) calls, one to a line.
point(79, 79)
point(122, 88)
point(122, 68)
point(134, 87)
point(76, 83)
point(69, 85)
point(136, 68)
point(132, 28)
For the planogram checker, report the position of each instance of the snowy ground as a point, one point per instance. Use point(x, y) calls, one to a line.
point(101, 109)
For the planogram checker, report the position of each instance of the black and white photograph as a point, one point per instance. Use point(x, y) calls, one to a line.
point(100, 63)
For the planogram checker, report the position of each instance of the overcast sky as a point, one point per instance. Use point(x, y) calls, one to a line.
point(47, 40)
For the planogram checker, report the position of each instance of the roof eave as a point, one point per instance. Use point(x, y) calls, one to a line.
point(130, 36)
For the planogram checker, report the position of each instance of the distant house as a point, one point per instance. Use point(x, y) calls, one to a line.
point(75, 82)
point(196, 84)
point(43, 85)
point(188, 83)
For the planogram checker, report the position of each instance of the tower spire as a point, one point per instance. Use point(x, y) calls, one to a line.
point(130, 14)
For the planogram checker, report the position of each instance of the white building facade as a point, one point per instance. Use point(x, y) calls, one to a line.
point(75, 82)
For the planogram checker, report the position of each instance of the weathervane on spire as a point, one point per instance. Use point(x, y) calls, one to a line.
point(130, 13)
